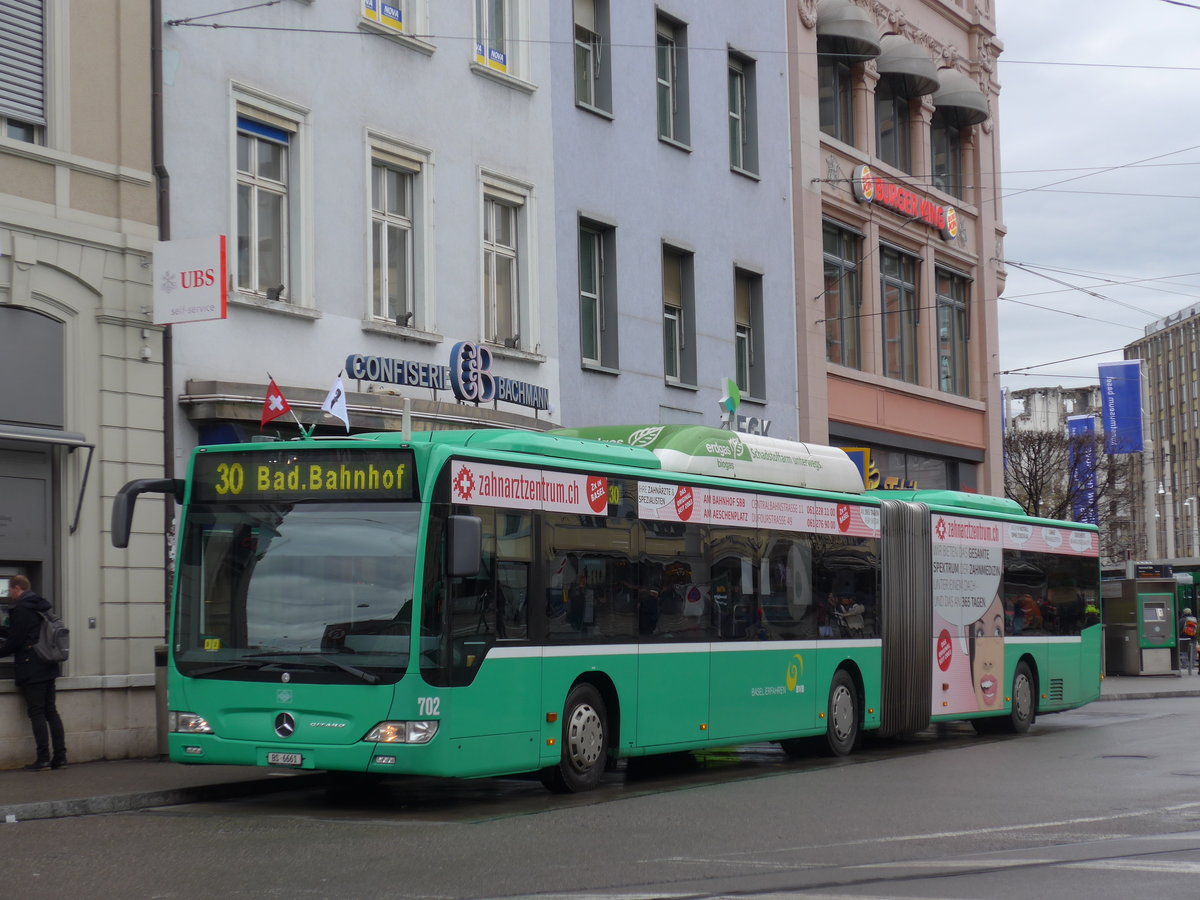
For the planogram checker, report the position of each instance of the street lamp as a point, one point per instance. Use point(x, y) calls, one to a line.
point(1190, 503)
point(1169, 505)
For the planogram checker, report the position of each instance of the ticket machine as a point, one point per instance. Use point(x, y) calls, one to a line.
point(1139, 619)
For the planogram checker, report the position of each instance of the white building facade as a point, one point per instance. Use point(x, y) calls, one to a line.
point(384, 176)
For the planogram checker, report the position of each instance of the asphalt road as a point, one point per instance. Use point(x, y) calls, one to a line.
point(1100, 802)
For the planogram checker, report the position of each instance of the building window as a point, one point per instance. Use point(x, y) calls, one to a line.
point(593, 84)
point(898, 288)
point(262, 207)
point(750, 370)
point(23, 71)
point(406, 17)
point(672, 81)
point(679, 365)
point(501, 286)
point(498, 36)
point(392, 243)
point(16, 130)
point(843, 296)
point(945, 140)
point(597, 294)
point(835, 91)
point(953, 331)
point(892, 125)
point(743, 124)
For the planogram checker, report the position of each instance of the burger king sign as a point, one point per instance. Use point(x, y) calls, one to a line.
point(871, 188)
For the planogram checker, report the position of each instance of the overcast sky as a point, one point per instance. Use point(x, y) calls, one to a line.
point(1130, 236)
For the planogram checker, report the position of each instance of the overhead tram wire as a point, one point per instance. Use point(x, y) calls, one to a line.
point(1082, 289)
point(1025, 369)
point(283, 29)
point(1073, 315)
point(1041, 187)
point(191, 19)
point(1109, 281)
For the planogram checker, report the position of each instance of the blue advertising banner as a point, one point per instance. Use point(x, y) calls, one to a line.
point(1121, 400)
point(1081, 431)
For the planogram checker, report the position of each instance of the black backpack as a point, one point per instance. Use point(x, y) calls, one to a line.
point(53, 642)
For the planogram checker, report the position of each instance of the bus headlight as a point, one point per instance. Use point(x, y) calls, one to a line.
point(187, 723)
point(402, 732)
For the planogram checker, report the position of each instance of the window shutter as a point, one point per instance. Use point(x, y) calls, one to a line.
point(741, 299)
point(23, 60)
point(585, 14)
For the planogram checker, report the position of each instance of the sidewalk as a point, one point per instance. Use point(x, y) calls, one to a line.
point(119, 785)
point(127, 784)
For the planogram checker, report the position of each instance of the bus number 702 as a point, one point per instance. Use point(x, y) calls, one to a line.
point(429, 706)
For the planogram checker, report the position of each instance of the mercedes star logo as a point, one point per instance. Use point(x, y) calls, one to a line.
point(285, 725)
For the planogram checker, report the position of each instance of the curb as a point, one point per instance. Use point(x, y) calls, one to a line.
point(1152, 695)
point(89, 806)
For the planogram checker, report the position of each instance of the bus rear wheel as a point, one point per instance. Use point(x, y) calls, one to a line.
point(841, 733)
point(584, 743)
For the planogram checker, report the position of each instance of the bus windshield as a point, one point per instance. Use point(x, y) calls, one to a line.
point(323, 589)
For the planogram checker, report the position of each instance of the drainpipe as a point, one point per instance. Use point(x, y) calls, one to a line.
point(162, 181)
point(163, 186)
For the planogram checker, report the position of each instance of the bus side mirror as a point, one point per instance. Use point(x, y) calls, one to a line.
point(123, 503)
point(464, 546)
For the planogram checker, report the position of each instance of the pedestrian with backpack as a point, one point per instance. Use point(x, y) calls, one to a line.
point(33, 675)
point(1187, 641)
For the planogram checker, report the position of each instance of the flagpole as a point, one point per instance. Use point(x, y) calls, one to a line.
point(299, 424)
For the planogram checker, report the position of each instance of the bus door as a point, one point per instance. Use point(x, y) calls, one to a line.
point(762, 667)
point(475, 642)
point(672, 693)
point(672, 645)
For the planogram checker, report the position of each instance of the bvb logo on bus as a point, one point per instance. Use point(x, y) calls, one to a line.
point(794, 671)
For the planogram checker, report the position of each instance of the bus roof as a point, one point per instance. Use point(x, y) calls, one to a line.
point(700, 450)
point(960, 499)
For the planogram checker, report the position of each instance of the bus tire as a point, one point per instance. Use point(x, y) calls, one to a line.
point(584, 743)
point(841, 731)
point(1024, 701)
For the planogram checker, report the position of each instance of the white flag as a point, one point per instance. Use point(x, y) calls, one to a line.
point(335, 403)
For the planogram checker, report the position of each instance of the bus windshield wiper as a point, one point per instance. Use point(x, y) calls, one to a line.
point(227, 666)
point(278, 660)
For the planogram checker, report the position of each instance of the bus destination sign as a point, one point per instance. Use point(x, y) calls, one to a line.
point(283, 474)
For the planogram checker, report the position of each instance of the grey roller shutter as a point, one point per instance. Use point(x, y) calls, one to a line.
point(23, 60)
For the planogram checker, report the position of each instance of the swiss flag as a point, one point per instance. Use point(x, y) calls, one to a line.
point(274, 405)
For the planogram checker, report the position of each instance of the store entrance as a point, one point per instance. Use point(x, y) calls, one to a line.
point(27, 525)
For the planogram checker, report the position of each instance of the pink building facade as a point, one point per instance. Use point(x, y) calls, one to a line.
point(899, 236)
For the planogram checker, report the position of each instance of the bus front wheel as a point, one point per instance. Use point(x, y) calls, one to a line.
point(841, 733)
point(584, 743)
point(1024, 701)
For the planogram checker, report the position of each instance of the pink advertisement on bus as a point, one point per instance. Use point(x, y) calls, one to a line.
point(714, 506)
point(968, 616)
point(512, 488)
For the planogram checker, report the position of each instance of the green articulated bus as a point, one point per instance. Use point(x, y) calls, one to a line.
point(490, 602)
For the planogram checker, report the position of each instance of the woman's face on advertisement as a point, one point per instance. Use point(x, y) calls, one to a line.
point(987, 668)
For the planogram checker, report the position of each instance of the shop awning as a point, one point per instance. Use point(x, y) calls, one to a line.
point(904, 61)
point(42, 435)
point(846, 30)
point(69, 439)
point(959, 97)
